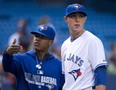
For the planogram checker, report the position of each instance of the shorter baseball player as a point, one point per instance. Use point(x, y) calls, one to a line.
point(36, 69)
point(83, 58)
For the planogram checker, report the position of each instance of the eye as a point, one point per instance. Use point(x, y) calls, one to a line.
point(76, 15)
point(72, 16)
point(41, 37)
point(36, 35)
point(81, 16)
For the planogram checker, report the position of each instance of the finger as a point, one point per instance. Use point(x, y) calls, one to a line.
point(14, 42)
point(15, 51)
point(12, 51)
point(15, 45)
point(15, 48)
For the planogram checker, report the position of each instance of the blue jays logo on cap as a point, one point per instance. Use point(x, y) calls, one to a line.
point(75, 73)
point(75, 8)
point(43, 27)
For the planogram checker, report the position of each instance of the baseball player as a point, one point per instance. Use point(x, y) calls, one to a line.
point(83, 59)
point(36, 69)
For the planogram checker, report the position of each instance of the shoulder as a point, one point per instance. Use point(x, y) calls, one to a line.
point(66, 41)
point(14, 35)
point(25, 55)
point(91, 38)
point(55, 60)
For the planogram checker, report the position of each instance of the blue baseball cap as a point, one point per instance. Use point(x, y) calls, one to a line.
point(75, 8)
point(45, 30)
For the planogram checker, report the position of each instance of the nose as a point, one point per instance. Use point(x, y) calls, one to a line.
point(76, 18)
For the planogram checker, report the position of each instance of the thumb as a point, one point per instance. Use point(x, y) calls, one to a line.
point(14, 42)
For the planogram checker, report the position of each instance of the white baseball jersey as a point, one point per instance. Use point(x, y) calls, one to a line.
point(79, 60)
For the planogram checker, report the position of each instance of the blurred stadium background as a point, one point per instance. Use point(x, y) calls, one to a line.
point(101, 19)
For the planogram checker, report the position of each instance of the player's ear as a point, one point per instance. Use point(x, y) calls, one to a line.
point(85, 19)
point(65, 19)
point(51, 42)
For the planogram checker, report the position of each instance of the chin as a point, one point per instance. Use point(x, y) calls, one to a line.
point(36, 48)
point(77, 29)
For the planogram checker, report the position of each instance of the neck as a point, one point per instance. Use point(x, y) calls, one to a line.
point(41, 54)
point(75, 35)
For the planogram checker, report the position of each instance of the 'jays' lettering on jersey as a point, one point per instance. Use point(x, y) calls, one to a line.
point(80, 58)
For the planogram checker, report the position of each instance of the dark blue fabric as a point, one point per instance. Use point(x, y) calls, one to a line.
point(75, 8)
point(28, 77)
point(101, 76)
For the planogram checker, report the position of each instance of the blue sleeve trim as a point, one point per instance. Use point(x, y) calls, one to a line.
point(99, 65)
point(100, 75)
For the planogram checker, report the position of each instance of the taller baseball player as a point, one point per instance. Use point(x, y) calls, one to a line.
point(84, 63)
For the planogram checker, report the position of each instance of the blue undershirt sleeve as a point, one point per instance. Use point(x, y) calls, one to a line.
point(100, 75)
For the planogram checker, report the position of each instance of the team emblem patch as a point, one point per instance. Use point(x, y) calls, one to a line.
point(75, 73)
point(77, 7)
point(43, 27)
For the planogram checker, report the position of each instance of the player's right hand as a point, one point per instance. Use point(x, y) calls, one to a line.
point(13, 49)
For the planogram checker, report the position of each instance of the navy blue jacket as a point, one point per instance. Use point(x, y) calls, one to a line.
point(28, 77)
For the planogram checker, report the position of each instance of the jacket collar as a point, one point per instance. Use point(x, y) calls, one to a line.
point(33, 54)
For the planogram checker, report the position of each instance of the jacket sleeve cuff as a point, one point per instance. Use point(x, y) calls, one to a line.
point(6, 55)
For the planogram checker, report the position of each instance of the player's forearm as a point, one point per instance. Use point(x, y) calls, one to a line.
point(100, 87)
point(100, 78)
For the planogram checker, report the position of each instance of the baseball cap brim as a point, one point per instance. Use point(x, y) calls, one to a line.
point(76, 12)
point(39, 33)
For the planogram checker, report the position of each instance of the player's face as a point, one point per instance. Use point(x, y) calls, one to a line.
point(75, 22)
point(41, 43)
